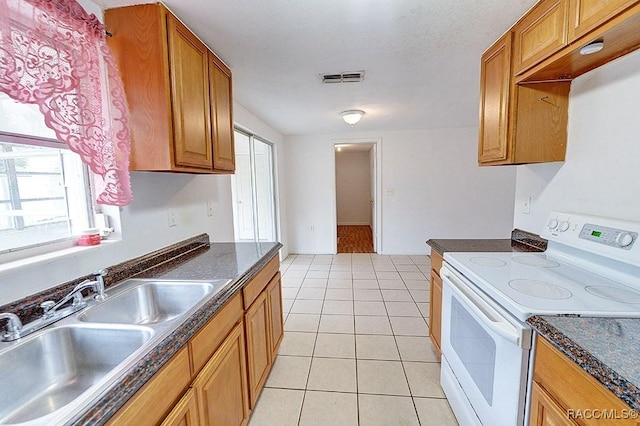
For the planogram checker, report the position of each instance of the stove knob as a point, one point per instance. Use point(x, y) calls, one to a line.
point(624, 239)
point(563, 226)
point(552, 224)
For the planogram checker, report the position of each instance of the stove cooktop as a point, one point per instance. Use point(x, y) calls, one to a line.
point(535, 283)
point(591, 268)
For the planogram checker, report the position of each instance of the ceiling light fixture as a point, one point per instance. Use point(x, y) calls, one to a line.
point(352, 116)
point(590, 48)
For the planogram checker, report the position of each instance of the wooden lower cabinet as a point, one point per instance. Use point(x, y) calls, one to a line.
point(564, 394)
point(221, 386)
point(186, 413)
point(215, 379)
point(545, 411)
point(435, 301)
point(151, 404)
point(258, 345)
point(274, 296)
point(435, 311)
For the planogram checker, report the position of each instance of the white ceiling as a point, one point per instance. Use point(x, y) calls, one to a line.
point(421, 57)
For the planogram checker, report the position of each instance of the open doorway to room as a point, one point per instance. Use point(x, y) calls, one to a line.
point(356, 194)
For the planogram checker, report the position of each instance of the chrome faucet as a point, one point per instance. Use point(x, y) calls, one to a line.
point(50, 308)
point(53, 311)
point(14, 325)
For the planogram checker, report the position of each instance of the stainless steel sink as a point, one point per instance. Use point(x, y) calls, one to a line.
point(49, 370)
point(149, 302)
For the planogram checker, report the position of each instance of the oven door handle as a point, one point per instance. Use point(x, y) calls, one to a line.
point(483, 311)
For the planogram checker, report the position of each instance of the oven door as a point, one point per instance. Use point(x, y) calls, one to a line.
point(485, 355)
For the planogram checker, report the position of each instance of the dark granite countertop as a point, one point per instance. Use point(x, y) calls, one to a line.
point(238, 262)
point(606, 348)
point(442, 246)
point(520, 241)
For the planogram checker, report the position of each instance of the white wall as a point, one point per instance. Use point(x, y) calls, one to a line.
point(353, 186)
point(601, 174)
point(438, 191)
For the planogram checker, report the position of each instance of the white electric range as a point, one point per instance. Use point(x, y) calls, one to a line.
point(591, 268)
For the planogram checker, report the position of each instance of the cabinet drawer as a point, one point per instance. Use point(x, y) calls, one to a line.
point(260, 281)
point(211, 336)
point(157, 397)
point(560, 377)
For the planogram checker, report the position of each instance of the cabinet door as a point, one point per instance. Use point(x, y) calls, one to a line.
point(221, 386)
point(435, 310)
point(495, 86)
point(221, 115)
point(158, 396)
point(585, 15)
point(545, 411)
point(274, 295)
point(540, 33)
point(189, 78)
point(185, 413)
point(258, 345)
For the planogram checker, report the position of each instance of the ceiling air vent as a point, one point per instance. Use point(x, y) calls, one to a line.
point(344, 77)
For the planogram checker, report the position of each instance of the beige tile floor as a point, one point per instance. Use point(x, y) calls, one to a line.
point(356, 349)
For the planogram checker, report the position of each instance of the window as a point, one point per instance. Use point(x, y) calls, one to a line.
point(254, 212)
point(44, 187)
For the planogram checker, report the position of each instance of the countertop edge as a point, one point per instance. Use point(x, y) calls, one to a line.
point(136, 377)
point(609, 378)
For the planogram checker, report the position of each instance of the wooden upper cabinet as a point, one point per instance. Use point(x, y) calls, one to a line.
point(495, 87)
point(224, 157)
point(179, 93)
point(190, 101)
point(585, 15)
point(540, 33)
point(519, 124)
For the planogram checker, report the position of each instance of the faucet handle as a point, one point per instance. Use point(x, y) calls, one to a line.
point(100, 272)
point(47, 305)
point(99, 289)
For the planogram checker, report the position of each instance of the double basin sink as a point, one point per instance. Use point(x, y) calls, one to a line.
point(45, 378)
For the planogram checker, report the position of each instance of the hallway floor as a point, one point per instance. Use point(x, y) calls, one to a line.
point(356, 349)
point(355, 239)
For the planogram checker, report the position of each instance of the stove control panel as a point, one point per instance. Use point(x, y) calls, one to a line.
point(612, 238)
point(609, 236)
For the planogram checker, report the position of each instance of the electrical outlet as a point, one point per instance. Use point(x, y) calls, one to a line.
point(311, 228)
point(390, 192)
point(172, 218)
point(526, 205)
point(210, 208)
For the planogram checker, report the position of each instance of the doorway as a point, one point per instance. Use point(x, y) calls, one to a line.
point(253, 189)
point(356, 192)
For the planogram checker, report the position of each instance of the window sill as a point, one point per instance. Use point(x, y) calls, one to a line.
point(41, 259)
